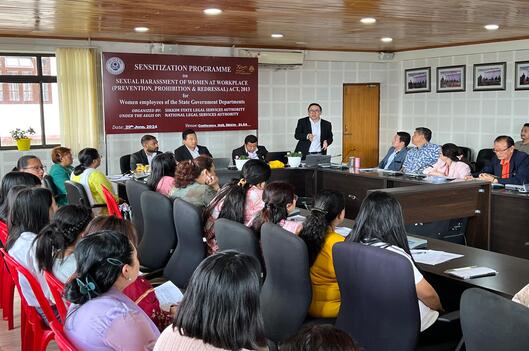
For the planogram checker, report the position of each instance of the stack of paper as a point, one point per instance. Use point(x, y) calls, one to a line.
point(168, 294)
point(343, 231)
point(433, 257)
point(471, 272)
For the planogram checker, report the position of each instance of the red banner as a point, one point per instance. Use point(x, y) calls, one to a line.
point(169, 93)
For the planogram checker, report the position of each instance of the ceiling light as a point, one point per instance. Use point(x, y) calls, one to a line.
point(212, 11)
point(368, 20)
point(141, 29)
point(386, 40)
point(492, 27)
point(277, 35)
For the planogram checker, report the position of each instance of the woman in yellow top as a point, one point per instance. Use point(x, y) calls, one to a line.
point(91, 179)
point(319, 233)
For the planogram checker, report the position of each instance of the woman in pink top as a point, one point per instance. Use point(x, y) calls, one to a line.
point(239, 201)
point(279, 201)
point(449, 164)
point(163, 169)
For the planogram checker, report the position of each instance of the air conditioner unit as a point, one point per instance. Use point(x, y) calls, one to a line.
point(274, 58)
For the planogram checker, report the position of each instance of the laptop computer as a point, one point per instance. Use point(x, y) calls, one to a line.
point(317, 160)
point(416, 243)
point(277, 155)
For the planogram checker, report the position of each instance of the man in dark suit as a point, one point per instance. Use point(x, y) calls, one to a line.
point(314, 134)
point(145, 155)
point(190, 149)
point(508, 166)
point(396, 153)
point(250, 149)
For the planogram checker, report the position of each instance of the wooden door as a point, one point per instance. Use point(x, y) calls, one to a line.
point(361, 123)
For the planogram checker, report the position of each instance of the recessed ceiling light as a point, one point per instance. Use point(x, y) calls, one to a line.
point(368, 20)
point(386, 39)
point(492, 27)
point(277, 35)
point(212, 11)
point(141, 29)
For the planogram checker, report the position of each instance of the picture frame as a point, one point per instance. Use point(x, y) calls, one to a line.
point(521, 75)
point(451, 78)
point(417, 80)
point(489, 76)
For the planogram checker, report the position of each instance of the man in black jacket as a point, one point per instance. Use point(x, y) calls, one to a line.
point(145, 155)
point(190, 149)
point(250, 149)
point(314, 134)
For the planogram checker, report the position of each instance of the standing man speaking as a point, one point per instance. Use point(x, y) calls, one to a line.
point(314, 134)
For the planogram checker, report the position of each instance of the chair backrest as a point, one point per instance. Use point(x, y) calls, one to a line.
point(159, 236)
point(15, 269)
point(134, 191)
point(48, 183)
point(287, 290)
point(124, 164)
point(60, 338)
point(484, 157)
point(379, 305)
point(491, 322)
point(191, 249)
point(233, 235)
point(56, 289)
point(467, 154)
point(112, 205)
point(76, 194)
point(3, 233)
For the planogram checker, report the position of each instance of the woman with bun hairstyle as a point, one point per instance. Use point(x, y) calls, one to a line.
point(61, 171)
point(101, 317)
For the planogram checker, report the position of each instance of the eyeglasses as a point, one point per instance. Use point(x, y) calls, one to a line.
point(318, 111)
point(500, 151)
point(36, 168)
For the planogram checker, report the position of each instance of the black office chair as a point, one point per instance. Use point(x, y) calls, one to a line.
point(159, 236)
point(232, 235)
point(134, 191)
point(76, 195)
point(491, 322)
point(379, 306)
point(484, 157)
point(47, 182)
point(287, 292)
point(191, 248)
point(124, 164)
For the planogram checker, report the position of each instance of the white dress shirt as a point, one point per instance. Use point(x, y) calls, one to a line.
point(315, 145)
point(252, 155)
point(194, 152)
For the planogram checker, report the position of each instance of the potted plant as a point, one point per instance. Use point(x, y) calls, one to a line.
point(294, 158)
point(21, 136)
point(240, 161)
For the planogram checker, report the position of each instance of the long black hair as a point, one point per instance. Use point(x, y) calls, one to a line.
point(328, 204)
point(86, 157)
point(162, 165)
point(451, 151)
point(221, 304)
point(276, 196)
point(233, 195)
point(28, 212)
point(64, 229)
point(10, 180)
point(380, 220)
point(320, 337)
point(100, 258)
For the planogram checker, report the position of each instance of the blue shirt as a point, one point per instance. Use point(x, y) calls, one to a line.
point(418, 159)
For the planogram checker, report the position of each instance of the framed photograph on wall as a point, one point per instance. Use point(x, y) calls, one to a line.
point(521, 78)
point(451, 78)
point(417, 80)
point(489, 76)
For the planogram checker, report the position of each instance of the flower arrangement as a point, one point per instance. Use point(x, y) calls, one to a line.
point(242, 157)
point(18, 133)
point(294, 154)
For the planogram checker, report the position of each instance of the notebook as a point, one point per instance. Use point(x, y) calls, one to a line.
point(471, 272)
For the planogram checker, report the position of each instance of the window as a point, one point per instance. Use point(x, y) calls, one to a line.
point(28, 98)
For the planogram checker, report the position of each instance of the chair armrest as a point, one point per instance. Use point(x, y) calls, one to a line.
point(449, 317)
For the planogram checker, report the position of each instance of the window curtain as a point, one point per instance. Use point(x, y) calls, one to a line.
point(77, 79)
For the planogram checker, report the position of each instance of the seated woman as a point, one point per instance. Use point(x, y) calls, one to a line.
point(380, 223)
point(140, 291)
point(220, 309)
point(319, 233)
point(30, 164)
point(449, 164)
point(196, 181)
point(101, 317)
point(30, 212)
point(55, 242)
point(239, 201)
point(279, 201)
point(163, 170)
point(10, 180)
point(61, 171)
point(91, 179)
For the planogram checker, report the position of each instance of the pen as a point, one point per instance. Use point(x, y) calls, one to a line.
point(459, 269)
